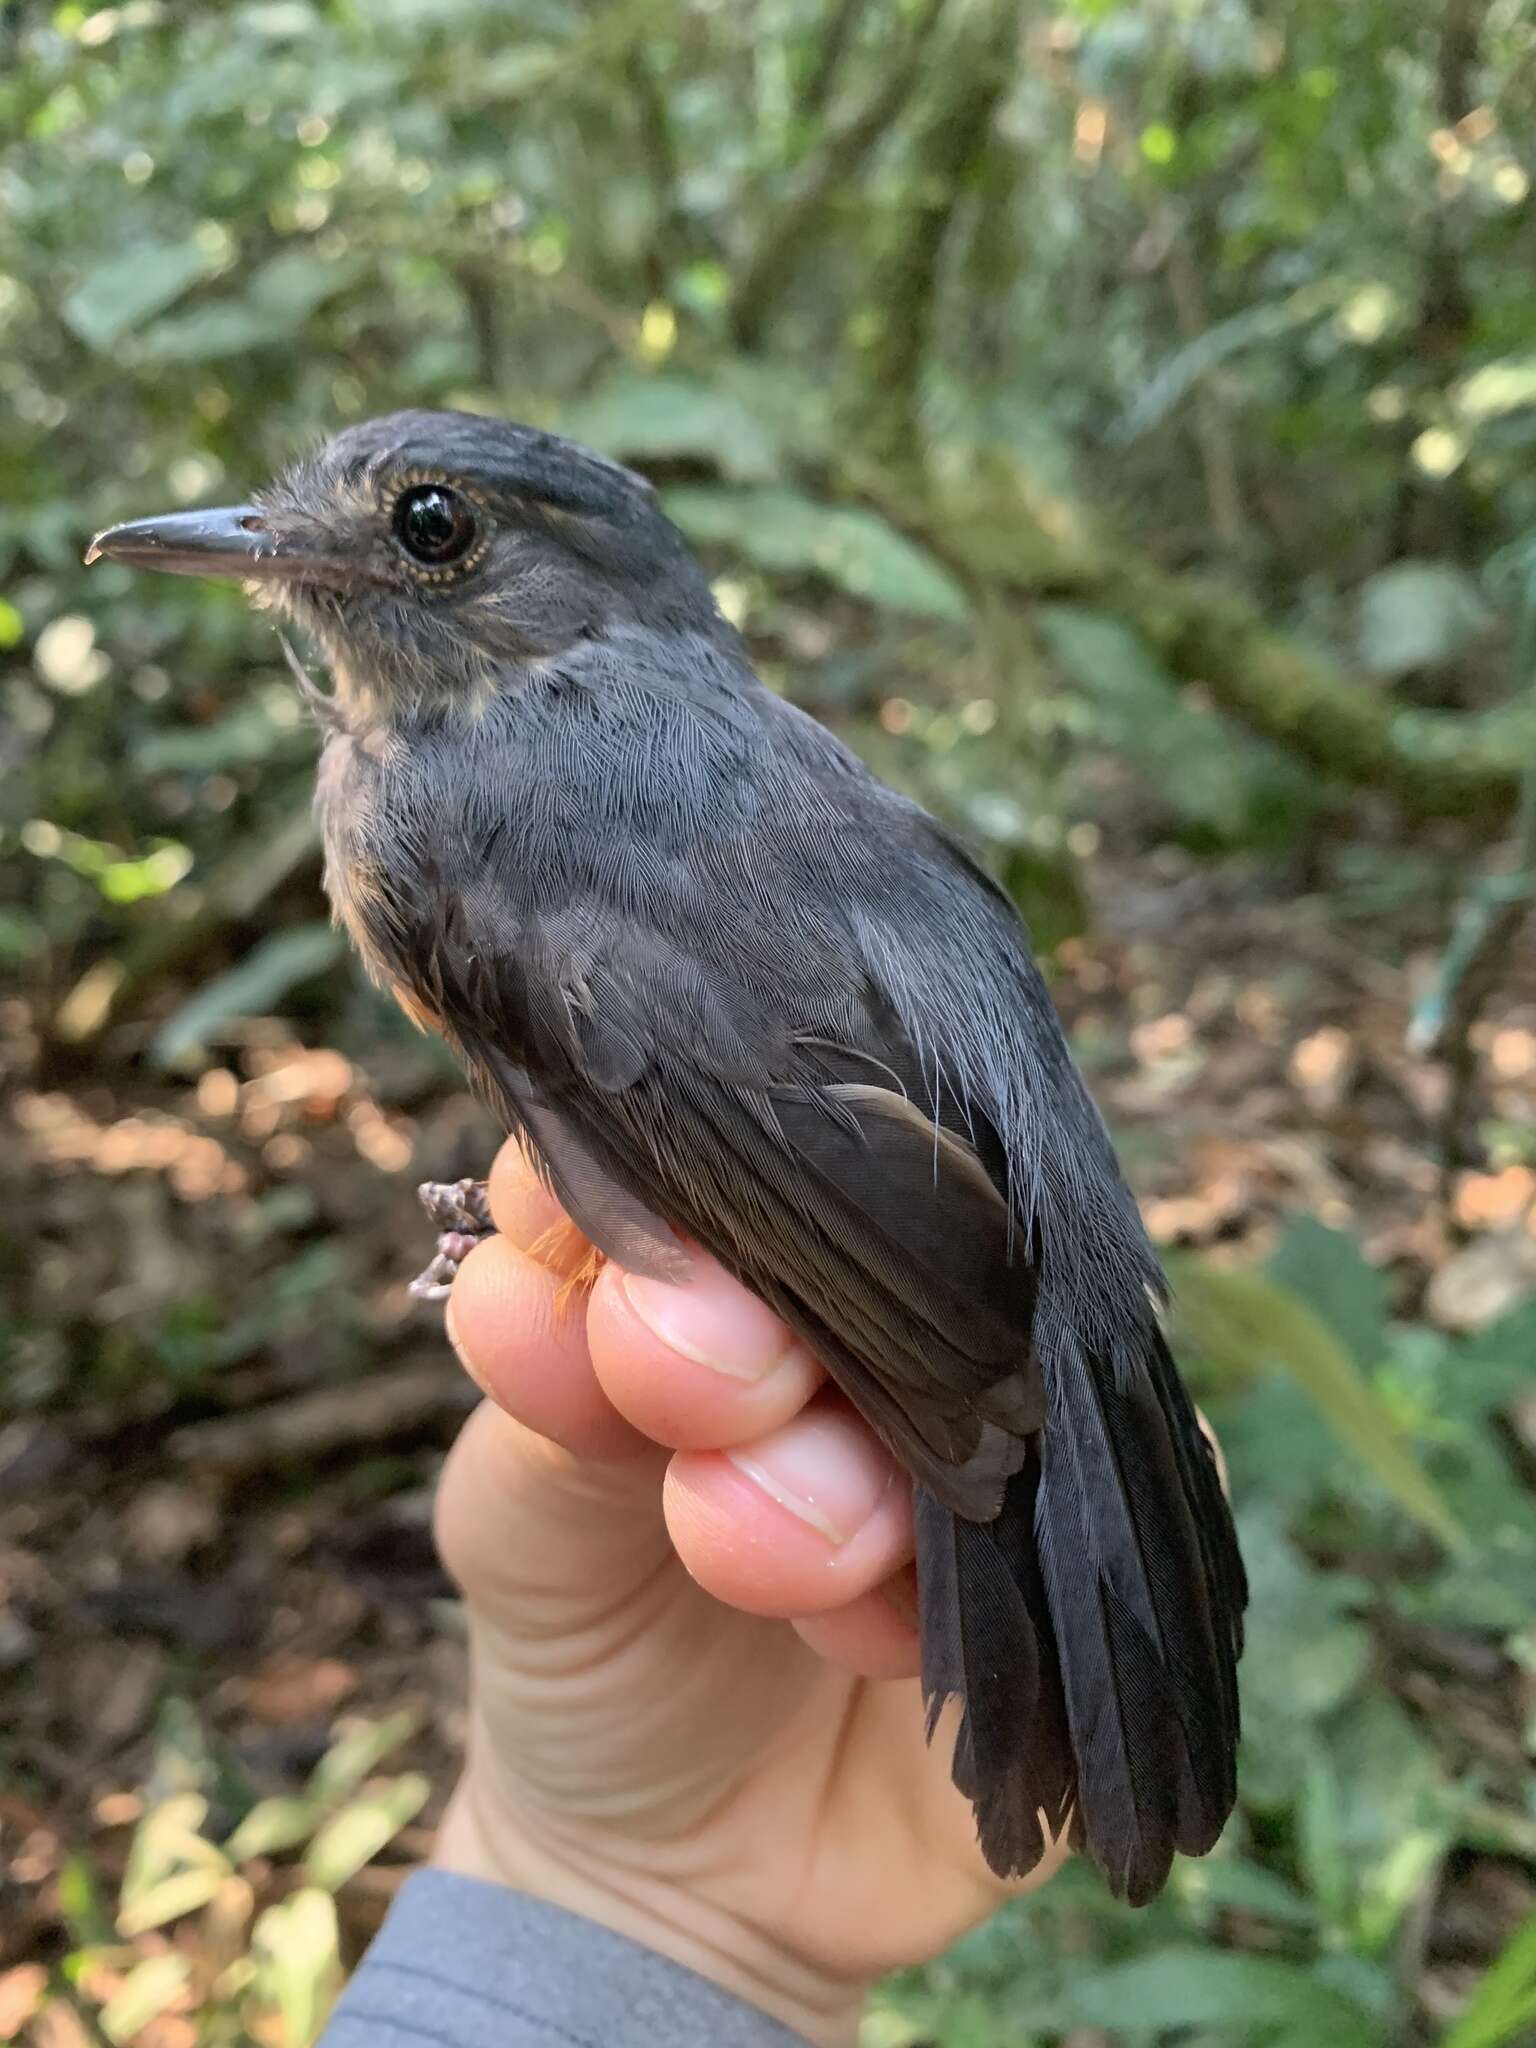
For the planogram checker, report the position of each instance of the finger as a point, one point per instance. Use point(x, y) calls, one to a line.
point(794, 1523)
point(700, 1365)
point(522, 1207)
point(522, 1338)
point(872, 1636)
point(539, 1539)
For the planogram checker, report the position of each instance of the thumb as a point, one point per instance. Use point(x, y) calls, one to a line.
point(542, 1540)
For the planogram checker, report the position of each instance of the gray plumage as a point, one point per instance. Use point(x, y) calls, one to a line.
point(724, 980)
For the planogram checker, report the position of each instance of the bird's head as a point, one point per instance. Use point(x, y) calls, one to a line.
point(436, 555)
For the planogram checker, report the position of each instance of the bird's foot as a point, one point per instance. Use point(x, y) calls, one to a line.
point(460, 1210)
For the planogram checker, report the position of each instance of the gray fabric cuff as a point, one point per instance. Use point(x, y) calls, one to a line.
point(463, 1964)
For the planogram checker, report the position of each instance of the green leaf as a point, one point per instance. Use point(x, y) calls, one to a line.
point(1327, 1270)
point(645, 419)
point(1497, 389)
point(173, 1868)
point(1504, 2005)
point(1244, 1321)
point(1321, 1848)
point(1192, 1987)
point(344, 81)
point(205, 91)
point(1416, 615)
point(787, 533)
point(297, 1947)
point(188, 1891)
point(263, 977)
point(358, 1753)
point(362, 1828)
point(146, 1992)
point(80, 1903)
point(1393, 1815)
point(513, 74)
point(166, 1840)
point(1306, 1656)
point(250, 734)
point(271, 1826)
point(1215, 779)
point(125, 291)
point(1229, 1883)
point(1490, 1369)
point(1269, 321)
point(279, 20)
point(275, 305)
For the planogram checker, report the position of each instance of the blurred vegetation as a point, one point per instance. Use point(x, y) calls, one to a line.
point(1117, 418)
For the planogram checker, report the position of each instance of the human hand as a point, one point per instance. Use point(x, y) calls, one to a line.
point(694, 1711)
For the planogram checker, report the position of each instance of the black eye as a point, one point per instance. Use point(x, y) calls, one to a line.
point(434, 524)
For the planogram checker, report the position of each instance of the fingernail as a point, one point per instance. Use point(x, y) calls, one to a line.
point(713, 1321)
point(823, 1469)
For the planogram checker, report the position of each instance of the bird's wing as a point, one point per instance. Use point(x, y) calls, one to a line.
point(865, 1207)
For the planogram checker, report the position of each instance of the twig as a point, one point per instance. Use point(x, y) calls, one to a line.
point(833, 49)
point(309, 1425)
point(817, 180)
point(1213, 429)
point(666, 245)
point(1443, 319)
point(952, 140)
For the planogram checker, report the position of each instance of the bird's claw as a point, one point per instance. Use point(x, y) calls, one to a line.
point(461, 1211)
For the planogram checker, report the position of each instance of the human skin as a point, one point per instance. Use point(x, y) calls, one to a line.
point(694, 1708)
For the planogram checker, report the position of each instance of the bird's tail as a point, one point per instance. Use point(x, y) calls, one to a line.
point(1091, 1631)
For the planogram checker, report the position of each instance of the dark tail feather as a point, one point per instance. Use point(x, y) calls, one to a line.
point(1092, 1630)
point(987, 1641)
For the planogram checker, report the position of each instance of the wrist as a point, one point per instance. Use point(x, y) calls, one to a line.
point(644, 1892)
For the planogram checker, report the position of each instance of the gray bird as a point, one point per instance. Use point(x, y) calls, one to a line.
point(726, 984)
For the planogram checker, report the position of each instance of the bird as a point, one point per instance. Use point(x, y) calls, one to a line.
point(733, 991)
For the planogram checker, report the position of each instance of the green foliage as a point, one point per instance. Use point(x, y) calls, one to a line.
point(258, 1972)
point(1246, 1321)
point(1250, 1998)
point(1416, 615)
point(1221, 786)
point(261, 980)
point(1504, 2006)
point(118, 295)
point(855, 550)
point(650, 419)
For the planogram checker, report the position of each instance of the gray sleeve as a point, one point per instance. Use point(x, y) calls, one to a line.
point(463, 1964)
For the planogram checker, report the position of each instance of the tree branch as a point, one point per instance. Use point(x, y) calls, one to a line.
point(829, 60)
point(1213, 429)
point(816, 182)
point(1436, 764)
point(951, 142)
point(655, 125)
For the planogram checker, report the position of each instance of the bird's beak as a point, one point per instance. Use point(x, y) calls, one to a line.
point(231, 540)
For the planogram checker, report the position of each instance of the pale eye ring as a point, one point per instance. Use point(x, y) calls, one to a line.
point(434, 524)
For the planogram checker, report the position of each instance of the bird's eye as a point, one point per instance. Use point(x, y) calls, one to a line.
point(435, 525)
